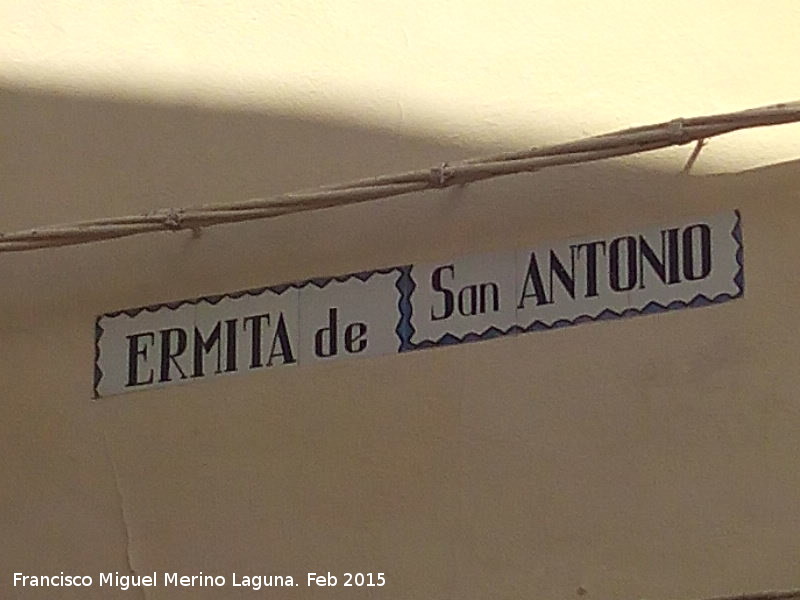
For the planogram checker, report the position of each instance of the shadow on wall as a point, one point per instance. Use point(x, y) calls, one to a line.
point(655, 458)
point(68, 158)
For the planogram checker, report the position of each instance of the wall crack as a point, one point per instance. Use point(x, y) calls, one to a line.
point(122, 511)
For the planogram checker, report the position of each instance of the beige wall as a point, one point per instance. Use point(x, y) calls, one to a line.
point(641, 458)
point(506, 73)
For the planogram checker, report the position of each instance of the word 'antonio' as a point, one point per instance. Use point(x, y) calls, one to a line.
point(590, 269)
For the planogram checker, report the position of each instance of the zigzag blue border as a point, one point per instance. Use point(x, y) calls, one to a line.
point(450, 339)
point(405, 330)
point(736, 233)
point(98, 372)
point(319, 282)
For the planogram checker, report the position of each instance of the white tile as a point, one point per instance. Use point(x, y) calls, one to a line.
point(349, 319)
point(637, 271)
point(143, 348)
point(246, 332)
point(462, 298)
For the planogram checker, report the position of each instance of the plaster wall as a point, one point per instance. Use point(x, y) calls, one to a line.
point(505, 73)
point(649, 457)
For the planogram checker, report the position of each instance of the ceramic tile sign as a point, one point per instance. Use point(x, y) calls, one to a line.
point(688, 263)
point(278, 327)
